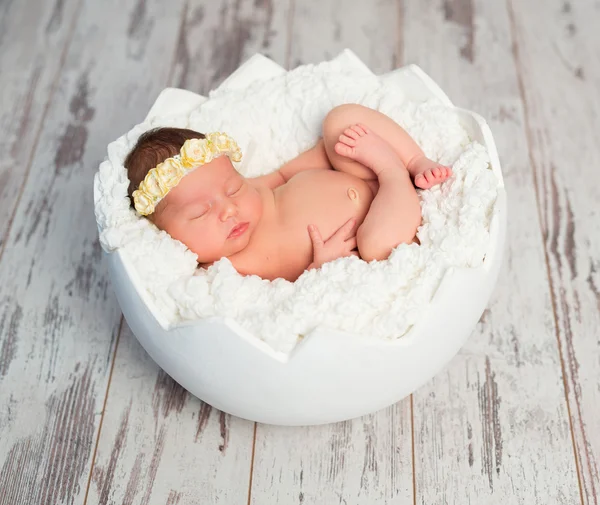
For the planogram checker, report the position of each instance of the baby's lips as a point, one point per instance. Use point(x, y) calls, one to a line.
point(235, 231)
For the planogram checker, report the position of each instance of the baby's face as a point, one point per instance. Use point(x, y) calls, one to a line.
point(213, 211)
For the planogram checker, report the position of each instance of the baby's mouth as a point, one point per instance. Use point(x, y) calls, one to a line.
point(238, 230)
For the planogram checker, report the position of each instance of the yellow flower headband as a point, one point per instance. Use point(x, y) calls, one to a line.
point(194, 153)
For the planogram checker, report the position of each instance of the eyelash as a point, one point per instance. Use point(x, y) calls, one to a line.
point(237, 190)
point(230, 194)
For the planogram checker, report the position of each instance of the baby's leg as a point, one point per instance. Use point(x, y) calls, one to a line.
point(395, 213)
point(424, 172)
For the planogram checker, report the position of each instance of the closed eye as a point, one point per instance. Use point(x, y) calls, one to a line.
point(237, 190)
point(201, 213)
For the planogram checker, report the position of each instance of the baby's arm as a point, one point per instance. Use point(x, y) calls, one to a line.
point(316, 157)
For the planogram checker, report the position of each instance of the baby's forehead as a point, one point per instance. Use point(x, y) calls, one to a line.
point(205, 179)
point(217, 171)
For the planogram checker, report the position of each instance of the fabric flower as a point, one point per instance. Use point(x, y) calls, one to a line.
point(224, 143)
point(143, 203)
point(195, 152)
point(153, 186)
point(170, 172)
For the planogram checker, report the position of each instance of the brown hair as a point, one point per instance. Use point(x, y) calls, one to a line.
point(152, 148)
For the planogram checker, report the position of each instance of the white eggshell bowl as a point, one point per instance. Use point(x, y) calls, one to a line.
point(329, 376)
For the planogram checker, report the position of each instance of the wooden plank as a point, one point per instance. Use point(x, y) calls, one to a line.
point(363, 461)
point(159, 444)
point(214, 41)
point(321, 30)
point(367, 460)
point(493, 427)
point(557, 55)
point(58, 318)
point(31, 49)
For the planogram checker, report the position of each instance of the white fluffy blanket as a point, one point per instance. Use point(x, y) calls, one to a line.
point(273, 121)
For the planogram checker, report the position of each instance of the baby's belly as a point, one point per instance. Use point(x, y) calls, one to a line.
point(325, 198)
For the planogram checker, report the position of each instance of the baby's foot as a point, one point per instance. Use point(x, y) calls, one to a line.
point(427, 173)
point(365, 146)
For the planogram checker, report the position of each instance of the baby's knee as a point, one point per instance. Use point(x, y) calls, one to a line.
point(370, 246)
point(341, 117)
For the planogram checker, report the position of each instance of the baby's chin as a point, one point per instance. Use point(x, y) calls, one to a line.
point(205, 261)
point(208, 259)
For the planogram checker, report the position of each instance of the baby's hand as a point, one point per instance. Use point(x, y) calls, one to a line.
point(339, 245)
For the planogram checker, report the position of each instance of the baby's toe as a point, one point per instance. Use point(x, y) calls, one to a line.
point(359, 130)
point(349, 132)
point(343, 149)
point(432, 176)
point(346, 139)
point(421, 181)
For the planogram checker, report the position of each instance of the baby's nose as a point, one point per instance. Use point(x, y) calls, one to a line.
point(229, 210)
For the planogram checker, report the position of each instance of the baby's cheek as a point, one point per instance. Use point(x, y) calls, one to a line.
point(210, 238)
point(189, 236)
point(257, 205)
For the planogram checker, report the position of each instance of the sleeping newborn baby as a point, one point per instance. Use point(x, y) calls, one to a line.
point(351, 194)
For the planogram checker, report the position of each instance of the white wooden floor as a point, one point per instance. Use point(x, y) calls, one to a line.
point(87, 417)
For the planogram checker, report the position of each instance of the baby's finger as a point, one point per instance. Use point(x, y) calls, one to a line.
point(315, 236)
point(345, 229)
point(351, 243)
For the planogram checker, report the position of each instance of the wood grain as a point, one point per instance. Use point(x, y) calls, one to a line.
point(31, 49)
point(493, 427)
point(216, 39)
point(363, 461)
point(557, 56)
point(367, 460)
point(58, 318)
point(321, 30)
point(159, 444)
